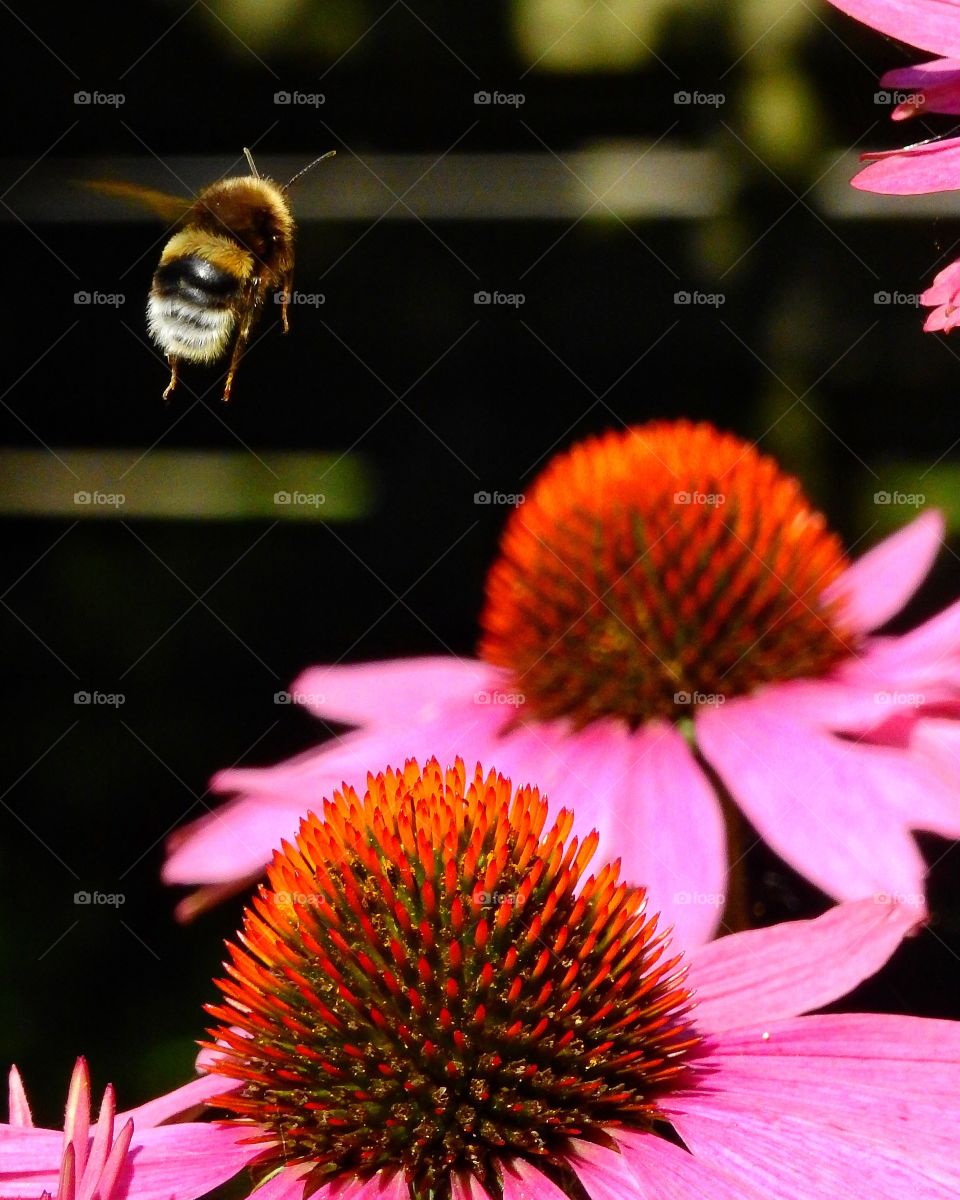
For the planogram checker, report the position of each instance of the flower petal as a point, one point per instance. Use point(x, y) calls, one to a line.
point(182, 1162)
point(935, 86)
point(650, 1168)
point(647, 798)
point(837, 811)
point(805, 1160)
point(19, 1108)
point(522, 1181)
point(913, 171)
point(796, 966)
point(932, 25)
point(177, 1102)
point(394, 690)
point(875, 587)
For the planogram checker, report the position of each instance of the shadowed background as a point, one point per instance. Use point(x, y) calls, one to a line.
point(659, 150)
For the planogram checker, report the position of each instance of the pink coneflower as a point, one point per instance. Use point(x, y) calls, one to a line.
point(667, 608)
point(126, 1156)
point(431, 998)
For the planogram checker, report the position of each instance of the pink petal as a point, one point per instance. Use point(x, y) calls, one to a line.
point(839, 812)
point(76, 1121)
point(650, 1168)
point(102, 1183)
point(179, 1101)
point(919, 662)
point(921, 75)
point(286, 1184)
point(649, 801)
point(875, 587)
point(932, 25)
point(466, 1187)
point(791, 968)
point(182, 1162)
point(395, 690)
point(915, 170)
point(239, 839)
point(522, 1181)
point(102, 1147)
point(936, 88)
point(945, 286)
point(19, 1108)
point(836, 1070)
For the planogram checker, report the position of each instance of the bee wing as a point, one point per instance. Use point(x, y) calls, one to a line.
point(169, 208)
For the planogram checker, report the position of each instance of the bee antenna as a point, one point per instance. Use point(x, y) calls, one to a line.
point(250, 163)
point(308, 167)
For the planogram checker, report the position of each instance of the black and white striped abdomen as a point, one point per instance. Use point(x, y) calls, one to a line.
point(189, 311)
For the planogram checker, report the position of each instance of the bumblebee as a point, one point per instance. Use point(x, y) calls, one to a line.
point(231, 248)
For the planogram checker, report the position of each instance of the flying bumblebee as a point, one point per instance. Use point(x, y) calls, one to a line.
point(232, 246)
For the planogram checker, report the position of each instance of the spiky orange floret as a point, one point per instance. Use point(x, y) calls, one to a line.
point(659, 567)
point(429, 982)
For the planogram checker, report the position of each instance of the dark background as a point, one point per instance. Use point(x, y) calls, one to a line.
point(86, 794)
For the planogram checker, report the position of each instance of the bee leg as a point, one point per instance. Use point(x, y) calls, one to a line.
point(238, 348)
point(168, 390)
point(287, 284)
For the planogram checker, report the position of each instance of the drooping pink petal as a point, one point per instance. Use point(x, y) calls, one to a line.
point(839, 812)
point(919, 662)
point(650, 1168)
point(239, 839)
point(179, 1162)
point(522, 1181)
point(286, 1184)
point(932, 25)
point(647, 798)
point(19, 1108)
point(796, 966)
point(878, 584)
point(912, 171)
point(800, 1160)
point(179, 1101)
point(466, 1187)
point(394, 690)
point(935, 86)
point(836, 1070)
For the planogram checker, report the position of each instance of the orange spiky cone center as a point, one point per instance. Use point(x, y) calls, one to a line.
point(657, 568)
point(429, 983)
